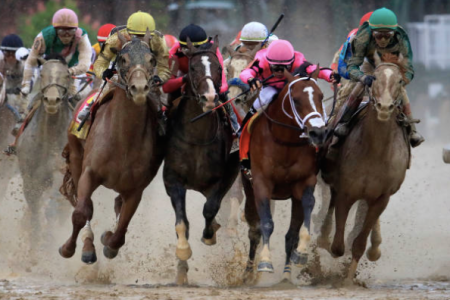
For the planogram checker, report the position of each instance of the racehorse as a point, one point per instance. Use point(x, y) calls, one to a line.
point(283, 150)
point(122, 151)
point(43, 138)
point(198, 155)
point(238, 61)
point(373, 172)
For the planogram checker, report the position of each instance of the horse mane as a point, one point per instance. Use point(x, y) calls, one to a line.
point(56, 56)
point(302, 69)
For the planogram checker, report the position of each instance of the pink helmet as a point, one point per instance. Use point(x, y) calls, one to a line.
point(65, 18)
point(280, 52)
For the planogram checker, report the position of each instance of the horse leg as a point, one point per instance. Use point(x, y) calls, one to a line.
point(254, 229)
point(300, 255)
point(374, 253)
point(33, 198)
point(112, 242)
point(343, 206)
point(82, 216)
point(183, 251)
point(376, 208)
point(323, 241)
point(118, 201)
point(263, 192)
point(292, 236)
point(235, 201)
point(360, 215)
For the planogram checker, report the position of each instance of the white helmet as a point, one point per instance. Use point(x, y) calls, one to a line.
point(254, 32)
point(272, 38)
point(22, 53)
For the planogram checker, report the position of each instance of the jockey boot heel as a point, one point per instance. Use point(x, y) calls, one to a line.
point(415, 138)
point(245, 168)
point(342, 129)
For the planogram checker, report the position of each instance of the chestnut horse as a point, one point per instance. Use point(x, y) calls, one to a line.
point(283, 151)
point(122, 151)
point(371, 164)
point(198, 154)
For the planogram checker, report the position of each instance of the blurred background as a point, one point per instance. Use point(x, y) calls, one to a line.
point(315, 27)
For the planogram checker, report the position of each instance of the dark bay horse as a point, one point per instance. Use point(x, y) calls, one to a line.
point(41, 142)
point(122, 151)
point(371, 165)
point(197, 154)
point(284, 165)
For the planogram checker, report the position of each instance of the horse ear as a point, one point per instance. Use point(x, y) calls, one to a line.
point(147, 37)
point(216, 43)
point(376, 58)
point(256, 49)
point(288, 75)
point(190, 47)
point(316, 72)
point(122, 39)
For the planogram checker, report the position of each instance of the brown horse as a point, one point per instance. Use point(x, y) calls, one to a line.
point(284, 165)
point(122, 151)
point(198, 154)
point(371, 165)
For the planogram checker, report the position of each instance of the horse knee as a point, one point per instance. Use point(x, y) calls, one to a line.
point(267, 226)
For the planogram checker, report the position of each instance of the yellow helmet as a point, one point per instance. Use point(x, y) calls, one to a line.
point(139, 22)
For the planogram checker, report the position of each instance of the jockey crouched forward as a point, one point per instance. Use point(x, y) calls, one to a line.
point(381, 34)
point(180, 67)
point(137, 25)
point(279, 56)
point(65, 38)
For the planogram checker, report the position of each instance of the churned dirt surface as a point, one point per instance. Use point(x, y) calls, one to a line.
point(415, 261)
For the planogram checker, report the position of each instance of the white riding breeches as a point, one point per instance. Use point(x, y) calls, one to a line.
point(265, 97)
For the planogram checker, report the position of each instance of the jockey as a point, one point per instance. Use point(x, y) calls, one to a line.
point(11, 66)
point(170, 40)
point(384, 35)
point(65, 38)
point(137, 25)
point(252, 34)
point(102, 36)
point(279, 56)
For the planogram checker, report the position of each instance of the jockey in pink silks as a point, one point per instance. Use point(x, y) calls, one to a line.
point(274, 60)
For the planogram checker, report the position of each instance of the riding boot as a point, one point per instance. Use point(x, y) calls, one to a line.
point(415, 138)
point(349, 108)
point(247, 117)
point(85, 111)
point(246, 169)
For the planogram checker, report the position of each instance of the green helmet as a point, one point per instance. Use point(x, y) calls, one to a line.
point(383, 18)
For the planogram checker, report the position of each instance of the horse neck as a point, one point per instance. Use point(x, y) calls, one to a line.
point(377, 136)
point(130, 118)
point(189, 109)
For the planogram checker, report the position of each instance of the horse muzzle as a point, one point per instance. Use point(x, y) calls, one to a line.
point(52, 107)
point(384, 111)
point(208, 103)
point(318, 136)
point(138, 86)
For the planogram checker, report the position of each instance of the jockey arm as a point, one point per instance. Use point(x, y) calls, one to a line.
point(173, 84)
point(324, 74)
point(106, 56)
point(250, 72)
point(359, 49)
point(84, 57)
point(37, 50)
point(405, 50)
point(159, 48)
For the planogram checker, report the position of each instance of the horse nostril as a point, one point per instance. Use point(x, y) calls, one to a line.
point(378, 105)
point(391, 107)
point(146, 88)
point(133, 89)
point(58, 99)
point(312, 134)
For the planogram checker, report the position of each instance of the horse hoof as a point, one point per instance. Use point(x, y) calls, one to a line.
point(110, 253)
point(265, 266)
point(210, 242)
point(299, 259)
point(65, 253)
point(373, 254)
point(89, 257)
point(184, 254)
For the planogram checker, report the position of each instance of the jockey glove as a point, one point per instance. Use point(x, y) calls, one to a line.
point(157, 80)
point(253, 83)
point(336, 77)
point(368, 80)
point(108, 74)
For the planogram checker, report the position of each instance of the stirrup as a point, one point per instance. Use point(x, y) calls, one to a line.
point(416, 140)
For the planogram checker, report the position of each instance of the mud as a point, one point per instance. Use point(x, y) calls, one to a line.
point(414, 264)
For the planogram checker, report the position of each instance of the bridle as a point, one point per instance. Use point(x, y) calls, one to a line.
point(374, 100)
point(301, 122)
point(194, 86)
point(65, 89)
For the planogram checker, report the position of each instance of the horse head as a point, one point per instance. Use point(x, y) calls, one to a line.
point(239, 60)
point(205, 73)
point(135, 65)
point(387, 88)
point(55, 82)
point(306, 102)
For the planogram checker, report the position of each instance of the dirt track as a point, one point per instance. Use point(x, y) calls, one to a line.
point(415, 260)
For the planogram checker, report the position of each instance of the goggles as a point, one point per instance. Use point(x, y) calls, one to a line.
point(66, 31)
point(279, 68)
point(383, 34)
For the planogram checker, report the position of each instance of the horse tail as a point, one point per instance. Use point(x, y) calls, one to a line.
point(67, 188)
